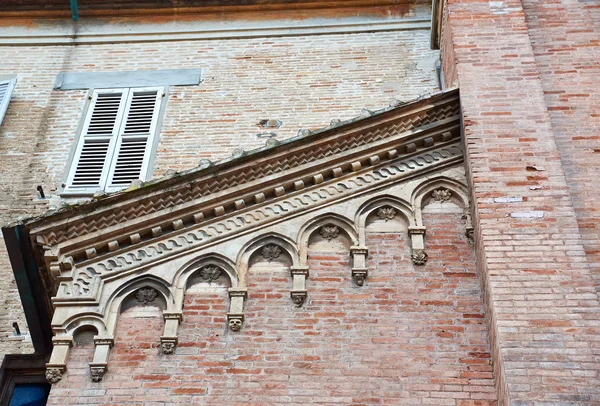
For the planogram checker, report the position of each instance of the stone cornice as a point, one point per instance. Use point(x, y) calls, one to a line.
point(148, 253)
point(271, 166)
point(124, 231)
point(83, 34)
point(87, 8)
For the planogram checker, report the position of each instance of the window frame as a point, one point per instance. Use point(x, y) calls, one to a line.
point(66, 190)
point(12, 83)
point(20, 368)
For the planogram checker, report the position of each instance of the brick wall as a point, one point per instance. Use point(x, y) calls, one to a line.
point(303, 81)
point(565, 39)
point(411, 335)
point(541, 303)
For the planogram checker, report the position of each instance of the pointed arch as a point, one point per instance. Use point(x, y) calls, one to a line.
point(313, 225)
point(183, 275)
point(243, 258)
point(82, 320)
point(460, 194)
point(119, 295)
point(370, 206)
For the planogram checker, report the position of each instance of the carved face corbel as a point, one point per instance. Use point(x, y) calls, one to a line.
point(235, 317)
point(359, 264)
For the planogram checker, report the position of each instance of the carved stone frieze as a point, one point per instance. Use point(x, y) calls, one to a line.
point(439, 107)
point(359, 276)
point(235, 321)
point(470, 234)
point(53, 375)
point(441, 195)
point(386, 213)
point(329, 232)
point(298, 297)
point(168, 347)
point(228, 226)
point(146, 295)
point(419, 257)
point(270, 252)
point(210, 273)
point(97, 371)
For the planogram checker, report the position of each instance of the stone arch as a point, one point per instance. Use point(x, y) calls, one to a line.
point(186, 272)
point(400, 206)
point(124, 291)
point(421, 194)
point(243, 258)
point(309, 228)
point(85, 320)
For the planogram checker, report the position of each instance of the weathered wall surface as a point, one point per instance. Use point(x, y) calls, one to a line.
point(304, 81)
point(529, 127)
point(410, 335)
point(565, 39)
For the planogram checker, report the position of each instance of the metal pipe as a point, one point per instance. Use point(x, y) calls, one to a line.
point(74, 10)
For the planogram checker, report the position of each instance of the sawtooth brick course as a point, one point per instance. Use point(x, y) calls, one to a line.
point(410, 335)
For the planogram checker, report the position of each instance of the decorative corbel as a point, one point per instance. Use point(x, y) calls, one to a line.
point(359, 264)
point(169, 339)
point(298, 292)
point(99, 364)
point(469, 229)
point(417, 240)
point(235, 317)
point(57, 365)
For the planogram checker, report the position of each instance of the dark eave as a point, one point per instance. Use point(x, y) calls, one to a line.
point(61, 8)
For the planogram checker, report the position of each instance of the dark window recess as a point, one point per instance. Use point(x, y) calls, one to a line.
point(30, 394)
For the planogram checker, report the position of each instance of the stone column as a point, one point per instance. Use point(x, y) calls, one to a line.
point(169, 339)
point(235, 317)
point(359, 264)
point(298, 292)
point(57, 365)
point(417, 241)
point(99, 365)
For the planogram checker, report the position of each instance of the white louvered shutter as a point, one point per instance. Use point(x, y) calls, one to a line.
point(90, 167)
point(138, 128)
point(6, 89)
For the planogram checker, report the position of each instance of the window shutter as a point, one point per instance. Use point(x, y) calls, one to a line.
point(6, 89)
point(90, 166)
point(138, 128)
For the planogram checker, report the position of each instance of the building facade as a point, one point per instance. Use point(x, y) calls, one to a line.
point(293, 202)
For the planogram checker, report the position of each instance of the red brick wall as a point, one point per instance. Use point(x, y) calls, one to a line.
point(304, 81)
point(410, 335)
point(565, 37)
point(541, 303)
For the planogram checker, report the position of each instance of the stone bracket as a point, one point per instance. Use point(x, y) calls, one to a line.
point(298, 292)
point(360, 271)
point(235, 317)
point(57, 365)
point(169, 339)
point(100, 362)
point(417, 240)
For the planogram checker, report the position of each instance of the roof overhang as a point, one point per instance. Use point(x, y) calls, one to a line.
point(45, 251)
